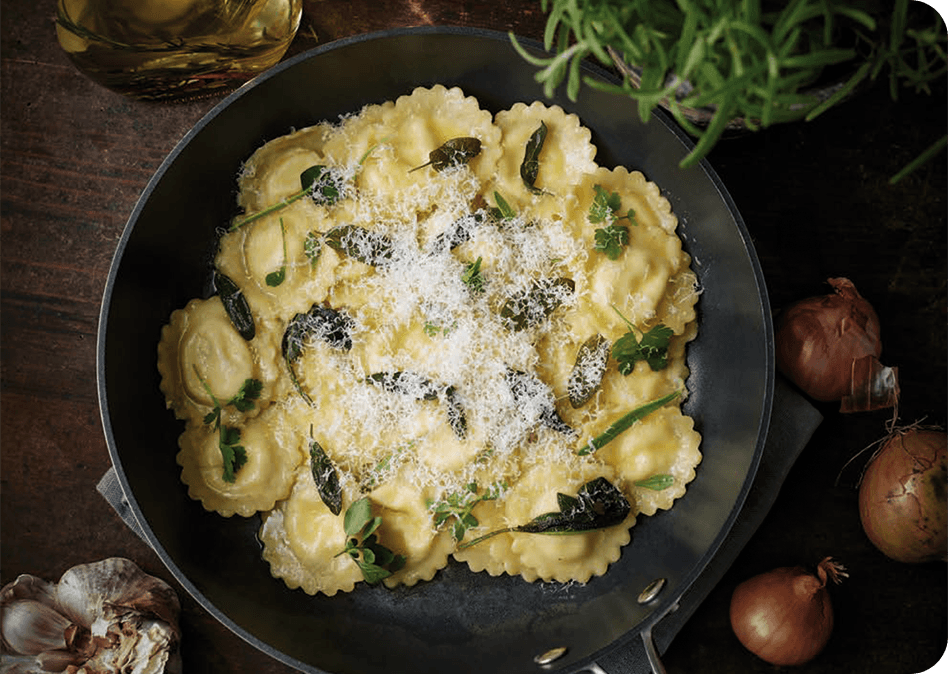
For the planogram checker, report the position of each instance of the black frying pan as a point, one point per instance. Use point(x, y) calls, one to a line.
point(460, 621)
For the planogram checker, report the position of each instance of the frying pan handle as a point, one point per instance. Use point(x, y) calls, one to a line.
point(653, 658)
point(651, 651)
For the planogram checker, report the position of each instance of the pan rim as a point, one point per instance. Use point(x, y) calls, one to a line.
point(660, 608)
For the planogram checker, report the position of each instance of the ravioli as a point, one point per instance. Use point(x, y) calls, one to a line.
point(420, 316)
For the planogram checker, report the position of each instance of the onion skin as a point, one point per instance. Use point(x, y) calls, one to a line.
point(817, 340)
point(785, 616)
point(902, 497)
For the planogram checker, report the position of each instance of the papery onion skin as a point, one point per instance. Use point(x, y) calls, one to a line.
point(785, 616)
point(903, 504)
point(818, 338)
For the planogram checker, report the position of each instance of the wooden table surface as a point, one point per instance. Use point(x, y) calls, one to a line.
point(815, 198)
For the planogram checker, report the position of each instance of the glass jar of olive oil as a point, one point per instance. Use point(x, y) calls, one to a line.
point(173, 49)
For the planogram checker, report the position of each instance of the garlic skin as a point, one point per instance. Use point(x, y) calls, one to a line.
point(104, 617)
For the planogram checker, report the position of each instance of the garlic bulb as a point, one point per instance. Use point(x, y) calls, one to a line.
point(108, 616)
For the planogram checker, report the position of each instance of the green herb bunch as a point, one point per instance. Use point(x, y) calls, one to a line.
point(752, 60)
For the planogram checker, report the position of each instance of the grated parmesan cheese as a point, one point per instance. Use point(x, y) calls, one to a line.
point(443, 386)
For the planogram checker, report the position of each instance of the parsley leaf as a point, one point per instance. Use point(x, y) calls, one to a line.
point(612, 238)
point(652, 347)
point(234, 456)
point(374, 560)
point(604, 205)
point(249, 391)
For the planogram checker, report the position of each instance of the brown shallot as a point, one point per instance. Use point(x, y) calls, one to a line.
point(903, 495)
point(785, 616)
point(830, 345)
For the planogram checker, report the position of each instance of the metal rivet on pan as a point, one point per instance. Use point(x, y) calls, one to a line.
point(550, 656)
point(651, 591)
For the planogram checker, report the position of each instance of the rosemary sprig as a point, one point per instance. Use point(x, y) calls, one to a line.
point(735, 58)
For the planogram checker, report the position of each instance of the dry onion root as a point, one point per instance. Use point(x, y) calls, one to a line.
point(785, 616)
point(903, 493)
point(830, 345)
point(100, 618)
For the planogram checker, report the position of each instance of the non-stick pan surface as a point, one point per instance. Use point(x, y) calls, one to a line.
point(460, 621)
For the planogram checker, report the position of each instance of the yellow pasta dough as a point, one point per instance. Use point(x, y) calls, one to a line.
point(422, 310)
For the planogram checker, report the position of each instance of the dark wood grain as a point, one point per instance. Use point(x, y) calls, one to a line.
point(815, 197)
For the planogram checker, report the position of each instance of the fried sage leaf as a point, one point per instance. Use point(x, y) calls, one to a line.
point(320, 322)
point(417, 386)
point(453, 152)
point(525, 387)
point(326, 477)
point(597, 505)
point(458, 232)
point(407, 383)
point(586, 376)
point(236, 306)
point(530, 166)
point(371, 247)
point(530, 308)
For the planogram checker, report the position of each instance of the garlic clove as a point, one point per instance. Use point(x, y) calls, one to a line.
point(30, 627)
point(108, 616)
point(29, 587)
point(59, 660)
point(103, 590)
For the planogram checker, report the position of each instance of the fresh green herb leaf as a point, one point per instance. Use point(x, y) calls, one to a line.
point(375, 560)
point(453, 152)
point(277, 277)
point(656, 482)
point(624, 422)
point(612, 240)
point(652, 347)
point(249, 391)
point(597, 505)
point(503, 212)
point(234, 456)
point(458, 506)
point(605, 205)
point(323, 184)
point(433, 329)
point(530, 167)
point(472, 276)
